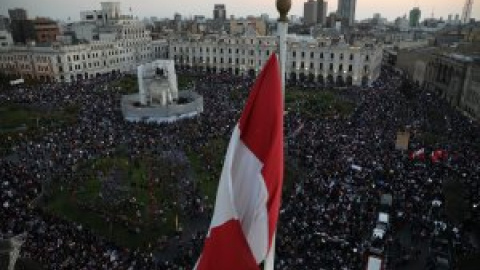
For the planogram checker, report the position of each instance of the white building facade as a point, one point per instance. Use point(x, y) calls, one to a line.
point(120, 47)
point(321, 60)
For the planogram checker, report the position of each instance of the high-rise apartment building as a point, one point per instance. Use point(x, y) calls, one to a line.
point(17, 14)
point(219, 12)
point(346, 10)
point(322, 12)
point(414, 18)
point(310, 12)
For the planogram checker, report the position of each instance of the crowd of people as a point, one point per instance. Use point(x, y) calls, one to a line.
point(337, 169)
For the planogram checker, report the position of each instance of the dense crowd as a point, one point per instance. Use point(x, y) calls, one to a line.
point(340, 166)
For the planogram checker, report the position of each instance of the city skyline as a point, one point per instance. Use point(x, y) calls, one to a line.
point(150, 8)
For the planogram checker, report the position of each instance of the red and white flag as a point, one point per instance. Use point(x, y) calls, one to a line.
point(419, 154)
point(244, 221)
point(439, 155)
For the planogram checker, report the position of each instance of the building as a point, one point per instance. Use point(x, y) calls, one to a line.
point(219, 12)
point(4, 23)
point(111, 10)
point(46, 30)
point(322, 12)
point(455, 77)
point(251, 24)
point(453, 73)
point(5, 38)
point(118, 45)
point(414, 18)
point(402, 24)
point(17, 14)
point(346, 10)
point(467, 12)
point(23, 31)
point(413, 61)
point(94, 16)
point(310, 12)
point(322, 60)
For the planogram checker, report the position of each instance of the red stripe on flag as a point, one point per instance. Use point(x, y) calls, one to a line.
point(234, 253)
point(261, 129)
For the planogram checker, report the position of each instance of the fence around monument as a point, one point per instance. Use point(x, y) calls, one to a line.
point(162, 113)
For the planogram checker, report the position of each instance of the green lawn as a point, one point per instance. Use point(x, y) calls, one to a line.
point(185, 82)
point(15, 117)
point(128, 84)
point(207, 165)
point(84, 202)
point(313, 103)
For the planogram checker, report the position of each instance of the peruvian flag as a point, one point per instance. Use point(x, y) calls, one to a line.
point(419, 154)
point(439, 155)
point(243, 226)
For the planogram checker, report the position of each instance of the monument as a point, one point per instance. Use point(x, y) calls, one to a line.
point(158, 99)
point(10, 251)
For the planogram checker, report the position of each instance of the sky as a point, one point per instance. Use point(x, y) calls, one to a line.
point(63, 9)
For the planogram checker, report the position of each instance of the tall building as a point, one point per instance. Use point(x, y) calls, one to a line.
point(46, 30)
point(414, 17)
point(111, 10)
point(23, 31)
point(467, 11)
point(17, 14)
point(219, 12)
point(346, 10)
point(4, 23)
point(322, 12)
point(310, 12)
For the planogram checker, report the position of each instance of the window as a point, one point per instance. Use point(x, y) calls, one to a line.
point(293, 64)
point(340, 68)
point(302, 65)
point(367, 57)
point(341, 56)
point(332, 56)
point(311, 66)
point(331, 67)
point(294, 54)
point(321, 55)
point(351, 56)
point(350, 68)
point(303, 54)
point(312, 55)
point(321, 66)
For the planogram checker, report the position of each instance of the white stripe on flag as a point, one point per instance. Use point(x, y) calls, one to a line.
point(242, 195)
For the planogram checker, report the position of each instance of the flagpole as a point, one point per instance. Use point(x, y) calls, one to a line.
point(283, 6)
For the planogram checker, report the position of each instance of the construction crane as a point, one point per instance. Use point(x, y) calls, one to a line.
point(467, 11)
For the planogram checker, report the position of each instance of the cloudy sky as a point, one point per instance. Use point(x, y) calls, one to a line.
point(62, 9)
